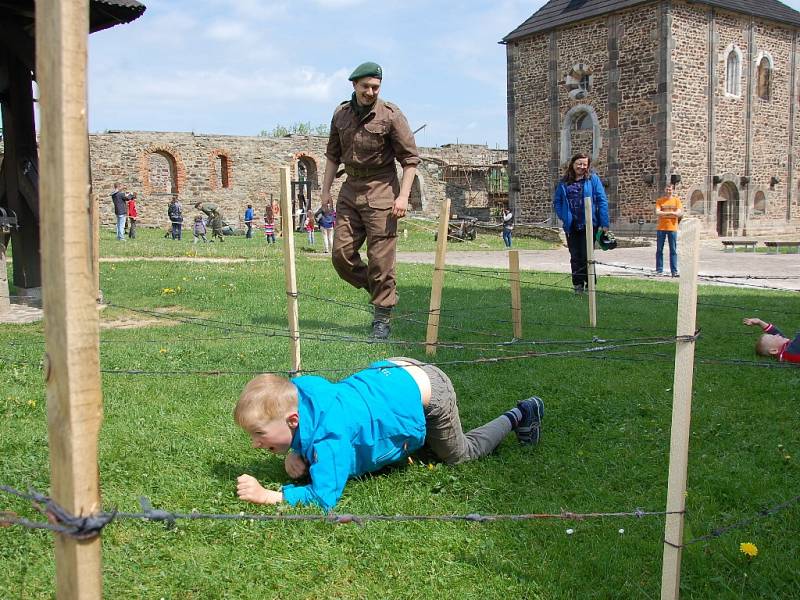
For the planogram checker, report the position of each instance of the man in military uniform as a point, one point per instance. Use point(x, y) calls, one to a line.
point(368, 135)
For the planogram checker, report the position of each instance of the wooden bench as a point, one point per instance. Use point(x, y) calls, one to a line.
point(777, 245)
point(731, 245)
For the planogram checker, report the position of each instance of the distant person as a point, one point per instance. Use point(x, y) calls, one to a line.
point(669, 210)
point(310, 226)
point(120, 200)
point(369, 136)
point(578, 184)
point(248, 221)
point(773, 343)
point(199, 229)
point(214, 215)
point(508, 226)
point(327, 221)
point(175, 214)
point(133, 215)
point(378, 416)
point(269, 226)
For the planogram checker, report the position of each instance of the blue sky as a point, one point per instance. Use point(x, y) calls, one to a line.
point(240, 66)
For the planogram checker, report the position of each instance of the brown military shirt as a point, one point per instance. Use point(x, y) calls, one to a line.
point(375, 141)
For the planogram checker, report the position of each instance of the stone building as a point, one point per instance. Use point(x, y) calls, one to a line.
point(236, 170)
point(702, 93)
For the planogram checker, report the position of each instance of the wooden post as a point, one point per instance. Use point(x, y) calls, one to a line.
point(681, 409)
point(590, 269)
point(5, 299)
point(72, 360)
point(289, 272)
point(516, 295)
point(432, 335)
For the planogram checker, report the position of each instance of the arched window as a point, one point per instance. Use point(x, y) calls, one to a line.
point(733, 72)
point(583, 122)
point(697, 203)
point(161, 173)
point(764, 78)
point(760, 203)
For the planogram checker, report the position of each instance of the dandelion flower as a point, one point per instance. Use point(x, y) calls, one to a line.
point(748, 549)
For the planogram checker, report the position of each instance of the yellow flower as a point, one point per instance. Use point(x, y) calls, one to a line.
point(32, 403)
point(748, 549)
point(163, 350)
point(166, 291)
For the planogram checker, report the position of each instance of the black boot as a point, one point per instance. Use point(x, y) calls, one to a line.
point(380, 323)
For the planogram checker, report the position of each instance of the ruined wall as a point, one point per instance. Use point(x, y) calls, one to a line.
point(236, 170)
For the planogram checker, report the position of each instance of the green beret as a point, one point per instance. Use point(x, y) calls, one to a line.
point(367, 69)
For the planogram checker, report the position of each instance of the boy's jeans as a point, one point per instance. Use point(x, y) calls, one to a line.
point(443, 432)
point(121, 219)
point(672, 238)
point(507, 237)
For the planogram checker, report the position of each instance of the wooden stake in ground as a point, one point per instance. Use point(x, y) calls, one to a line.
point(432, 335)
point(5, 300)
point(681, 409)
point(516, 294)
point(72, 360)
point(590, 267)
point(290, 274)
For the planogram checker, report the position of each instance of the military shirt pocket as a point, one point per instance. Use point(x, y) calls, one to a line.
point(372, 142)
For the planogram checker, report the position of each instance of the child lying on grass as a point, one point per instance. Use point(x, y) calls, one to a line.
point(371, 419)
point(774, 343)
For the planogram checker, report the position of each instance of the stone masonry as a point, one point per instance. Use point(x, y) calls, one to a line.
point(236, 170)
point(669, 90)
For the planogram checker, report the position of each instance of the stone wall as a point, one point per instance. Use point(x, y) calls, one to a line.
point(236, 170)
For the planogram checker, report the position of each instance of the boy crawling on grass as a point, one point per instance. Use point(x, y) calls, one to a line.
point(378, 416)
point(773, 343)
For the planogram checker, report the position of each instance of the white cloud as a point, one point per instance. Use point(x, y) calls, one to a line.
point(226, 31)
point(338, 3)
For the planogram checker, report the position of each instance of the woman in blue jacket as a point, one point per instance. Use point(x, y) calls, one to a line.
point(577, 184)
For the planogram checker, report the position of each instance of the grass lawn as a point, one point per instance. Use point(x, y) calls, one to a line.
point(169, 435)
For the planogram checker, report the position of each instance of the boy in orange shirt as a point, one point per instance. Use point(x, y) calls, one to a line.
point(668, 210)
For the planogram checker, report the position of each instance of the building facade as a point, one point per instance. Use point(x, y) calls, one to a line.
point(702, 94)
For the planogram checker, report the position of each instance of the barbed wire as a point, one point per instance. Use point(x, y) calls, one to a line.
point(90, 526)
point(720, 531)
point(652, 274)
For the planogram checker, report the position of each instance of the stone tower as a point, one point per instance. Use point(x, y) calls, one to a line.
point(700, 93)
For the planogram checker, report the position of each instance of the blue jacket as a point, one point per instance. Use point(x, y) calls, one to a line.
point(592, 187)
point(359, 425)
point(248, 215)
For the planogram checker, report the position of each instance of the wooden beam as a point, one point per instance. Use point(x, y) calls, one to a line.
point(432, 334)
point(19, 138)
point(516, 293)
point(681, 409)
point(290, 275)
point(72, 360)
point(590, 267)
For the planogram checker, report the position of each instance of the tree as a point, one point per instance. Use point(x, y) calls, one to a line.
point(298, 128)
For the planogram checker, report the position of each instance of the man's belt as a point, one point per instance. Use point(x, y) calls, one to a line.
point(365, 172)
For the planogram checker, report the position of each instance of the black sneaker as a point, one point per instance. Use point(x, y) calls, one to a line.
point(380, 330)
point(530, 425)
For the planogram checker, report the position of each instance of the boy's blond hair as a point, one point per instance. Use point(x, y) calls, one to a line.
point(265, 398)
point(768, 344)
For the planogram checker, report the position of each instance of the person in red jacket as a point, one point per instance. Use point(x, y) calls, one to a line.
point(774, 343)
point(133, 216)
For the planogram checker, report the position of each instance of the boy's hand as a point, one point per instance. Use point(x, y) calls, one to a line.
point(295, 465)
point(248, 488)
point(754, 321)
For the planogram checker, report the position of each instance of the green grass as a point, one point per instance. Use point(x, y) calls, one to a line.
point(604, 448)
point(419, 238)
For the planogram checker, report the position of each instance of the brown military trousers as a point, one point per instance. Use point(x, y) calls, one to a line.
point(364, 213)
